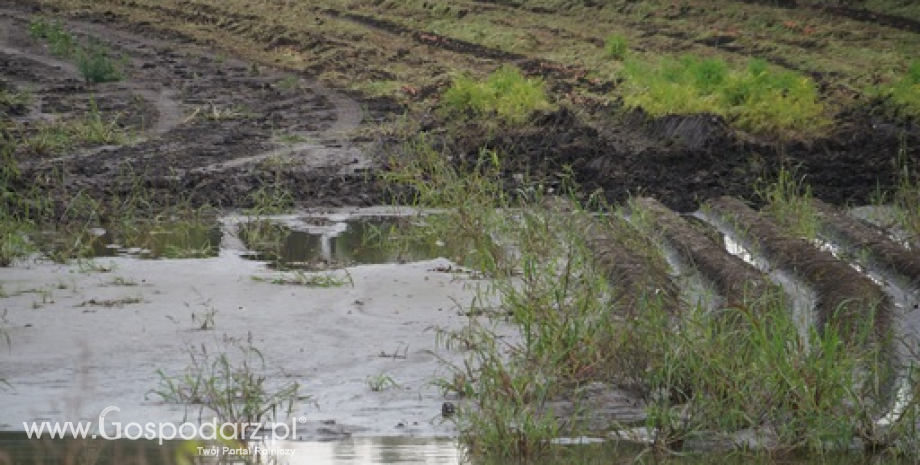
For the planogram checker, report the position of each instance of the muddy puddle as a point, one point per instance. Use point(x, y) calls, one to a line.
point(308, 241)
point(333, 241)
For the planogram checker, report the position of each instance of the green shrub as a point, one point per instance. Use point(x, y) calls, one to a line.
point(506, 94)
point(757, 99)
point(616, 46)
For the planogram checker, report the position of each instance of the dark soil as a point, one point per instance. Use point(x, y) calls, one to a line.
point(204, 129)
point(736, 281)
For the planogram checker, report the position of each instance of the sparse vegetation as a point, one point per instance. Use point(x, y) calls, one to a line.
point(97, 65)
point(60, 41)
point(743, 367)
point(230, 382)
point(93, 59)
point(302, 278)
point(787, 199)
point(380, 382)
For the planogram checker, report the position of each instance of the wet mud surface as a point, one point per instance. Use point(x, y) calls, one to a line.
point(203, 128)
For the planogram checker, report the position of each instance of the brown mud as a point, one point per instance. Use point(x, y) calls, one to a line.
point(882, 252)
point(737, 282)
point(846, 298)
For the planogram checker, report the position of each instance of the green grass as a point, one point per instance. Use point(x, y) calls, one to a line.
point(96, 63)
point(229, 382)
point(505, 95)
point(60, 41)
point(758, 98)
point(788, 201)
point(13, 101)
point(616, 46)
point(90, 129)
point(93, 59)
point(904, 93)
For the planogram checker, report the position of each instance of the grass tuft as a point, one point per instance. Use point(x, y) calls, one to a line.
point(616, 46)
point(905, 93)
point(505, 95)
point(97, 65)
point(758, 98)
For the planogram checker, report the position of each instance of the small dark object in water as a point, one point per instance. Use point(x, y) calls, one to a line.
point(448, 409)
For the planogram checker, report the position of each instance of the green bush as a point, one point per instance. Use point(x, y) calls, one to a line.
point(758, 98)
point(506, 94)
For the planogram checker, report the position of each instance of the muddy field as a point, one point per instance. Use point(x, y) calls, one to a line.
point(210, 129)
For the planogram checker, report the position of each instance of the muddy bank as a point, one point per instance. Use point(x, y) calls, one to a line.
point(684, 160)
point(739, 284)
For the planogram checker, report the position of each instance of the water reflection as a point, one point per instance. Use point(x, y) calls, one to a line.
point(372, 451)
point(16, 448)
point(321, 244)
point(193, 238)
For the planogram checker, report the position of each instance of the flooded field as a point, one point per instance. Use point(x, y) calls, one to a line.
point(190, 229)
point(120, 316)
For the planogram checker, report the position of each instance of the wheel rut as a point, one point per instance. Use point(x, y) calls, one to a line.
point(201, 125)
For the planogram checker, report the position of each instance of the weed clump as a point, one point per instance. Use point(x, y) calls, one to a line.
point(905, 93)
point(756, 99)
point(96, 64)
point(230, 383)
point(506, 95)
point(60, 41)
point(93, 59)
point(616, 46)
